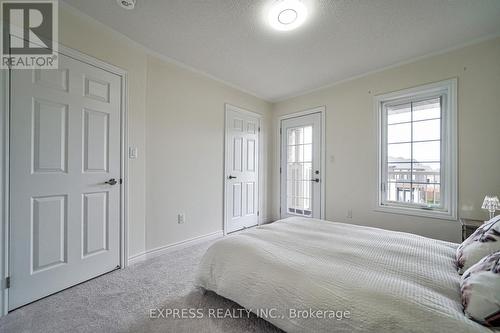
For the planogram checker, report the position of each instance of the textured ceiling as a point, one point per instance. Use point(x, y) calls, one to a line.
point(230, 39)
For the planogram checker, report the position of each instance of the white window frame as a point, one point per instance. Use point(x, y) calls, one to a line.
point(449, 143)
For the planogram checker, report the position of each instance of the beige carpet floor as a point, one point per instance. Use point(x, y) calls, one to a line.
point(121, 301)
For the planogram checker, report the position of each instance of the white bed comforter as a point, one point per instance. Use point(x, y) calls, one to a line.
point(387, 281)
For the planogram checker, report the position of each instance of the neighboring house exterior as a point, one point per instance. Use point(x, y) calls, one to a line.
point(423, 183)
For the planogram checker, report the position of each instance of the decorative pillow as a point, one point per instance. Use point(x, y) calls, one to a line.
point(484, 241)
point(480, 287)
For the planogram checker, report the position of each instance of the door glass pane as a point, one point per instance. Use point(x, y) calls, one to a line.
point(300, 153)
point(299, 171)
point(307, 207)
point(292, 156)
point(290, 190)
point(308, 135)
point(290, 204)
point(295, 136)
point(307, 153)
point(307, 171)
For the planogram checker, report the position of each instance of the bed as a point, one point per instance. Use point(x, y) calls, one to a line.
point(354, 278)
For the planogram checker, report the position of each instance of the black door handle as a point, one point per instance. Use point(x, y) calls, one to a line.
point(112, 181)
point(315, 180)
point(231, 177)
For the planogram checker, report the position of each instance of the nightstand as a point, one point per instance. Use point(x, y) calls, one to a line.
point(469, 226)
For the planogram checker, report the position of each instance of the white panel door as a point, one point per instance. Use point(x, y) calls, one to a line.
point(301, 172)
point(242, 170)
point(65, 144)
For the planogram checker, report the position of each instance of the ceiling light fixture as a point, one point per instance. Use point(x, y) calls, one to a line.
point(286, 15)
point(127, 4)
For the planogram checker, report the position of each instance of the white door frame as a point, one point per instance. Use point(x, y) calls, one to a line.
point(4, 166)
point(226, 172)
point(322, 111)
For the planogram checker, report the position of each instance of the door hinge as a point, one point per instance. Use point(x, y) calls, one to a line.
point(280, 169)
point(7, 282)
point(121, 181)
point(258, 213)
point(259, 129)
point(281, 131)
point(280, 211)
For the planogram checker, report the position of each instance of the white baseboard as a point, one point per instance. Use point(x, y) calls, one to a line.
point(172, 247)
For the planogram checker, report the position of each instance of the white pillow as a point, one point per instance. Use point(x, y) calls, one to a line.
point(485, 240)
point(480, 287)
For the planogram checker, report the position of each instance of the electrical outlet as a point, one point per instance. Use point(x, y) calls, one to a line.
point(349, 213)
point(181, 218)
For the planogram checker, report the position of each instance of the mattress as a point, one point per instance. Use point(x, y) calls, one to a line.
point(309, 275)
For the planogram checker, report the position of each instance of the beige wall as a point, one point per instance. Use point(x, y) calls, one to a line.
point(89, 36)
point(176, 120)
point(351, 134)
point(185, 136)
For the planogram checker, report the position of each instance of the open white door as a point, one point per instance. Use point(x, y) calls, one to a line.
point(65, 178)
point(241, 169)
point(301, 166)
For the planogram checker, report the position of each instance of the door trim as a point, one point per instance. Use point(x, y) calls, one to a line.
point(322, 111)
point(5, 175)
point(259, 116)
point(4, 181)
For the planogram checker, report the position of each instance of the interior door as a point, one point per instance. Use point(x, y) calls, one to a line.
point(65, 146)
point(241, 170)
point(301, 173)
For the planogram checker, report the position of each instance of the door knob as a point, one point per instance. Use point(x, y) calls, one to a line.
point(231, 177)
point(112, 181)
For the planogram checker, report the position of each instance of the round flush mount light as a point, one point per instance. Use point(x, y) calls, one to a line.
point(127, 4)
point(286, 15)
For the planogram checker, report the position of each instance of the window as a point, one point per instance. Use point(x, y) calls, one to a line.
point(417, 151)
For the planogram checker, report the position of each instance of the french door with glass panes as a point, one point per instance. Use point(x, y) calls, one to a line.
point(301, 173)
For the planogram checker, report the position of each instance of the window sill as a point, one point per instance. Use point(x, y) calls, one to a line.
point(433, 214)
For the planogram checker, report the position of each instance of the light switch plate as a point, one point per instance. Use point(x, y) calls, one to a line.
point(132, 153)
